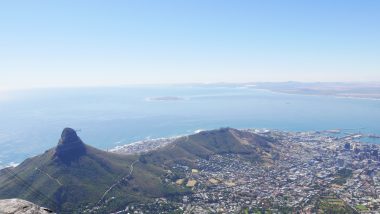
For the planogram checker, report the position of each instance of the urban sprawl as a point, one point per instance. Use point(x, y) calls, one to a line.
point(313, 171)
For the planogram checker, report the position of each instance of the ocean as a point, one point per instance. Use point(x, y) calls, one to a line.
point(32, 120)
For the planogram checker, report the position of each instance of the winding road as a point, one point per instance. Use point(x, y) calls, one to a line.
point(118, 182)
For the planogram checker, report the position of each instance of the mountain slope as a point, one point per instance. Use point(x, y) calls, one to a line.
point(75, 177)
point(204, 144)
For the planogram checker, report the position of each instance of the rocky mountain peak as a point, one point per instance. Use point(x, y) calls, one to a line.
point(70, 147)
point(69, 136)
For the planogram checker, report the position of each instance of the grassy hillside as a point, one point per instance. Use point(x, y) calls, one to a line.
point(74, 177)
point(68, 185)
point(204, 144)
point(62, 187)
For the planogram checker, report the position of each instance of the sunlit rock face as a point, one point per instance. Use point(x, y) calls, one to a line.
point(18, 206)
point(70, 147)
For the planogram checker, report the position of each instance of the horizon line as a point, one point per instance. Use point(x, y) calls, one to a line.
point(179, 84)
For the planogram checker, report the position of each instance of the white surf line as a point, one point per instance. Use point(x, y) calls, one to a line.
point(118, 182)
point(56, 180)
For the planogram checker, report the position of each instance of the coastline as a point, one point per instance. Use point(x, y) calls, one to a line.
point(141, 146)
point(319, 95)
point(153, 144)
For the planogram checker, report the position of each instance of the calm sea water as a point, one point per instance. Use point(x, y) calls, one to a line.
point(31, 121)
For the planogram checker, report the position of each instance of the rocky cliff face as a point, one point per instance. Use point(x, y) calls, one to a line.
point(18, 206)
point(70, 147)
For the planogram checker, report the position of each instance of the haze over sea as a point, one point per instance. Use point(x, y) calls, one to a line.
point(32, 120)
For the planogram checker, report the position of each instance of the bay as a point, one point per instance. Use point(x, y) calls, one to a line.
point(32, 120)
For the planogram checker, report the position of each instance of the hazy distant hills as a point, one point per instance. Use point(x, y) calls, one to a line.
point(339, 89)
point(74, 177)
point(370, 90)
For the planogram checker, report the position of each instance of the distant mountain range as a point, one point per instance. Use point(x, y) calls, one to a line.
point(369, 90)
point(74, 177)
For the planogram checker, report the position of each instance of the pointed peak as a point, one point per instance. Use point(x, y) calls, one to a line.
point(70, 147)
point(69, 136)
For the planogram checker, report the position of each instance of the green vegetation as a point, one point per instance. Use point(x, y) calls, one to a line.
point(345, 173)
point(342, 176)
point(69, 181)
point(361, 208)
point(204, 144)
point(83, 181)
point(332, 204)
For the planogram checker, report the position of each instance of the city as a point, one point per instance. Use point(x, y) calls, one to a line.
point(313, 171)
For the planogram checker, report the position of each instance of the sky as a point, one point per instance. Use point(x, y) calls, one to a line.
point(66, 43)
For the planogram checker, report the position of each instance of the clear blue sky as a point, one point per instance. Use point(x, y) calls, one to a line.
point(87, 43)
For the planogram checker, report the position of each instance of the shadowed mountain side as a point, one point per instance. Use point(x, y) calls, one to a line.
point(70, 147)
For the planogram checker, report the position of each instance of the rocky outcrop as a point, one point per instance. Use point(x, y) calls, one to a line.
point(70, 146)
point(18, 206)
